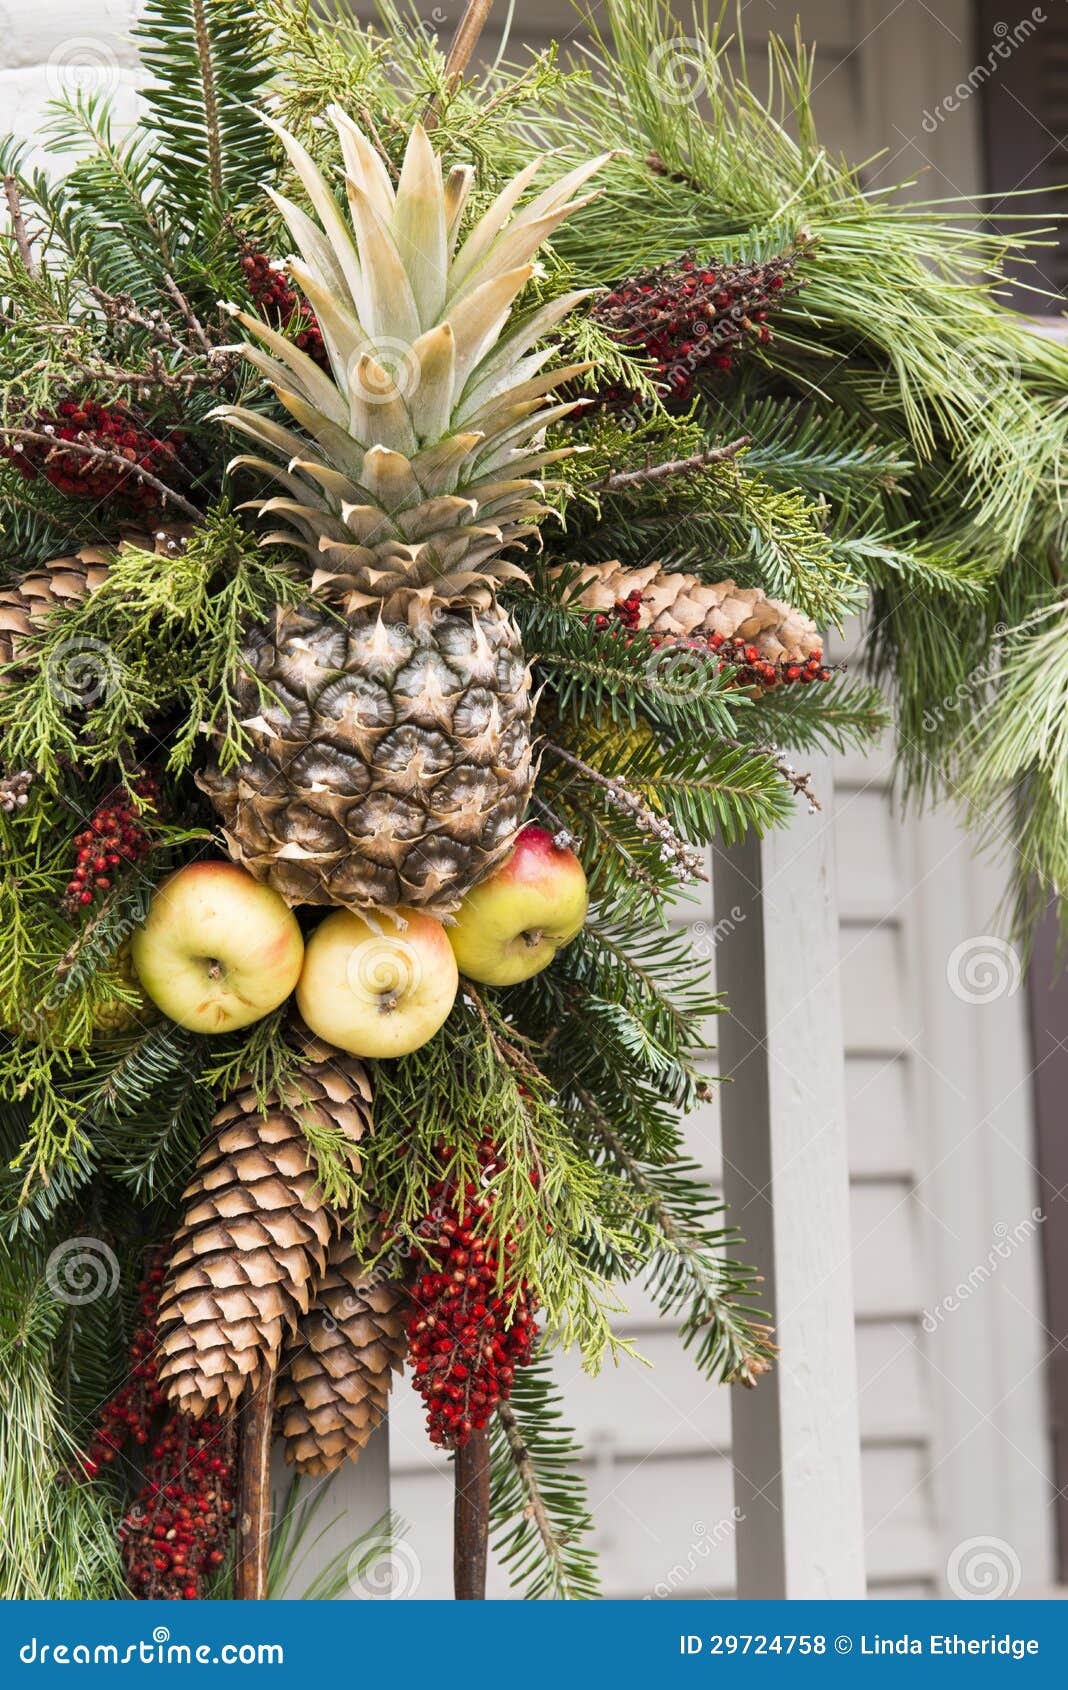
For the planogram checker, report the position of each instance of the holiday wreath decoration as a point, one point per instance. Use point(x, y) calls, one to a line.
point(424, 496)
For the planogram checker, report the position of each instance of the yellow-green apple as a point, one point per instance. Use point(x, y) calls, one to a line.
point(376, 991)
point(218, 950)
point(513, 923)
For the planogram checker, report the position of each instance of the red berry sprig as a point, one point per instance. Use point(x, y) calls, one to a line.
point(80, 475)
point(688, 317)
point(751, 667)
point(115, 835)
point(279, 304)
point(176, 1531)
point(468, 1330)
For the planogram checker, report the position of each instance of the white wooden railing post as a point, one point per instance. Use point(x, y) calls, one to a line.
point(795, 1442)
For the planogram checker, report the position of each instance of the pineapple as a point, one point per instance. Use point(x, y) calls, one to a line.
point(389, 714)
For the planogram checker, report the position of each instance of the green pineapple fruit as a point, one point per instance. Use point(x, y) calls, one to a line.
point(390, 713)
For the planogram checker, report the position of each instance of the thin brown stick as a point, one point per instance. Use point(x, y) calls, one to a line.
point(86, 450)
point(254, 1490)
point(677, 466)
point(471, 1518)
point(798, 783)
point(120, 308)
point(18, 224)
point(463, 44)
point(624, 798)
point(189, 314)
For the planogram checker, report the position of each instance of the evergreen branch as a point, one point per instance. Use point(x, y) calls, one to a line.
point(621, 797)
point(539, 1510)
point(663, 472)
point(733, 1345)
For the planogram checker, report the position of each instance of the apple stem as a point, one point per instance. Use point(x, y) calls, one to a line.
point(533, 937)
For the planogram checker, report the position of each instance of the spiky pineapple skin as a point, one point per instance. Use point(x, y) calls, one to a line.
point(392, 760)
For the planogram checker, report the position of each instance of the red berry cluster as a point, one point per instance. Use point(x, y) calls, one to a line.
point(279, 304)
point(82, 476)
point(176, 1531)
point(688, 317)
point(464, 1343)
point(752, 668)
point(115, 835)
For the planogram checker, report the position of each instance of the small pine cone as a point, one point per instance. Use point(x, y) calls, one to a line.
point(256, 1232)
point(30, 600)
point(340, 1362)
point(674, 605)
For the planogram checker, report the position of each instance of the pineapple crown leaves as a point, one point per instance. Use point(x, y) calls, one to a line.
point(417, 459)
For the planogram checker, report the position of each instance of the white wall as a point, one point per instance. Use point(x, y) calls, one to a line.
point(48, 46)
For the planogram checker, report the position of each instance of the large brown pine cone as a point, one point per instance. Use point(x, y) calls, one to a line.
point(256, 1232)
point(340, 1362)
point(680, 606)
point(30, 600)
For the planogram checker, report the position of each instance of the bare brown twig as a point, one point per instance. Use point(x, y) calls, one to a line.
point(18, 225)
point(676, 466)
point(101, 454)
point(622, 797)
